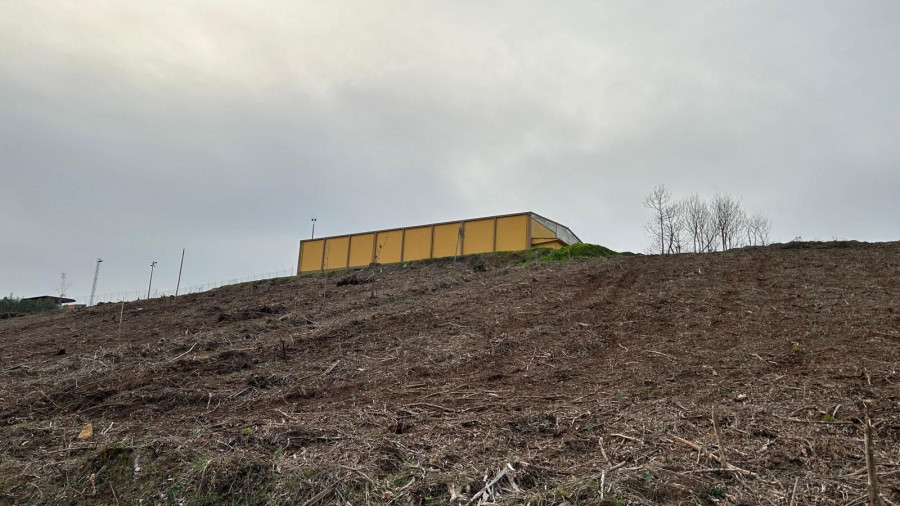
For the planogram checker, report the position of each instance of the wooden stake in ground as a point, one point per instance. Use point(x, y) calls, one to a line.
point(874, 497)
point(794, 492)
point(715, 422)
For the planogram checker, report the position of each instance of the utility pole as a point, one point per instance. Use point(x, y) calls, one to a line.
point(178, 285)
point(152, 265)
point(313, 236)
point(94, 286)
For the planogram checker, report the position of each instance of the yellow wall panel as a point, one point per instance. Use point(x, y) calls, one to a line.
point(336, 249)
point(478, 236)
point(417, 243)
point(362, 248)
point(512, 233)
point(311, 255)
point(447, 240)
point(388, 246)
point(539, 231)
point(547, 243)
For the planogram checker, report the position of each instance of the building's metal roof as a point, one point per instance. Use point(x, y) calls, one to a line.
point(58, 300)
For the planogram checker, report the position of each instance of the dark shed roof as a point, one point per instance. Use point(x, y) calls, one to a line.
point(58, 300)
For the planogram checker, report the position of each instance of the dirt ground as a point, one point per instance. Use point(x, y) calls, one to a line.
point(493, 382)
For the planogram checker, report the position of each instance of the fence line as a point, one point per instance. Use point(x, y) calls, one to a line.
point(132, 295)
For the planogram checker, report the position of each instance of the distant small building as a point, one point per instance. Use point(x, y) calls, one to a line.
point(59, 301)
point(511, 232)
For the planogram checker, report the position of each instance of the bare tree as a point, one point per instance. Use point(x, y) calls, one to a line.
point(658, 202)
point(673, 227)
point(698, 224)
point(757, 229)
point(729, 220)
point(667, 228)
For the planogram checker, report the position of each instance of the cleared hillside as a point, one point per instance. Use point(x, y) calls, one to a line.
point(581, 379)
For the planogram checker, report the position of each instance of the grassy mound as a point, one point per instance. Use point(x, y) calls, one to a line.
point(583, 250)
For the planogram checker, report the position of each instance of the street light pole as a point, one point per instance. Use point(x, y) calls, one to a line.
point(152, 265)
point(313, 236)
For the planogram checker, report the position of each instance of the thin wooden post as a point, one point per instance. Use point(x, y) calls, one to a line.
point(180, 267)
point(872, 489)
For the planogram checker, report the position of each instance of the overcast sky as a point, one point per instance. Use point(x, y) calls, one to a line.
point(132, 129)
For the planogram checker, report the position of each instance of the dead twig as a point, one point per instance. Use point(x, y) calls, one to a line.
point(604, 473)
point(232, 396)
point(364, 475)
point(699, 448)
point(661, 353)
point(321, 495)
point(402, 491)
point(731, 469)
point(793, 501)
point(90, 446)
point(116, 497)
point(331, 368)
point(715, 421)
point(623, 436)
point(506, 469)
point(826, 422)
point(434, 406)
point(603, 452)
point(48, 398)
point(872, 489)
point(185, 353)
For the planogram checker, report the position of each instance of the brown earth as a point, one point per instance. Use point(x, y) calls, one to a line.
point(578, 378)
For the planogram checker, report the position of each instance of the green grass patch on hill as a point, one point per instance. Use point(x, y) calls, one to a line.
point(582, 250)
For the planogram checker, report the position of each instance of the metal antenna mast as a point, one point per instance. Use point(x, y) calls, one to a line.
point(152, 265)
point(94, 286)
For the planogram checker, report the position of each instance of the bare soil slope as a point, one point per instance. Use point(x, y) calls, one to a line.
point(584, 382)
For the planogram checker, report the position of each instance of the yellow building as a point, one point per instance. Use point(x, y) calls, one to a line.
point(511, 232)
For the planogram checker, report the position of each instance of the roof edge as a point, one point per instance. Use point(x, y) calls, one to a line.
point(529, 213)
